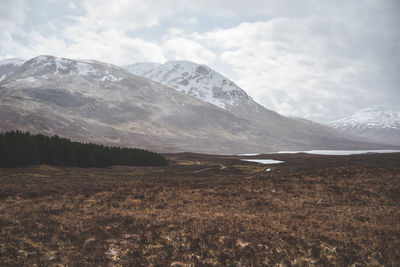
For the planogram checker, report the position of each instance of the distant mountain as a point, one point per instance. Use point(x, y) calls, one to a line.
point(87, 100)
point(376, 123)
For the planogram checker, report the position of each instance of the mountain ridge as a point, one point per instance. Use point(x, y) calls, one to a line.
point(93, 101)
point(185, 76)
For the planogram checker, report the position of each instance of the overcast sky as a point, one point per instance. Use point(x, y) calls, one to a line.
point(320, 60)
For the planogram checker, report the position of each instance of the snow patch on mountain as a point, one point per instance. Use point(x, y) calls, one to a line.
point(109, 77)
point(84, 69)
point(27, 79)
point(61, 64)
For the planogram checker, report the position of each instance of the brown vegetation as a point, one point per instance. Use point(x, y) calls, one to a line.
point(205, 210)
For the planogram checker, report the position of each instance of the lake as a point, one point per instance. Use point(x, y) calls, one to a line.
point(337, 152)
point(264, 161)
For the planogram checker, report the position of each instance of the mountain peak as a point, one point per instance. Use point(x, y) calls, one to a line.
point(46, 66)
point(374, 117)
point(58, 65)
point(377, 122)
point(187, 65)
point(196, 80)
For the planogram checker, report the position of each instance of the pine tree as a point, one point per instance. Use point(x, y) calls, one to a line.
point(22, 149)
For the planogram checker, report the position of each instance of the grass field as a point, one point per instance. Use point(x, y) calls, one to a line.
point(205, 210)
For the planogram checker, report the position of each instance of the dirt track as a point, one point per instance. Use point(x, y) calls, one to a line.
point(310, 210)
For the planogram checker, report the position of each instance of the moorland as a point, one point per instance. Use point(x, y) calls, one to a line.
point(205, 210)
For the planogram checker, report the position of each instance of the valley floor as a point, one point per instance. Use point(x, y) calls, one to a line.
point(205, 210)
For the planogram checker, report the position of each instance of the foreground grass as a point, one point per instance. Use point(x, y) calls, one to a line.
point(336, 211)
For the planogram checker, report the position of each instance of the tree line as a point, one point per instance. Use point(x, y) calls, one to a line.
point(19, 149)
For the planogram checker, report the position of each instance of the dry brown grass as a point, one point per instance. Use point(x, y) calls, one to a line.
point(312, 210)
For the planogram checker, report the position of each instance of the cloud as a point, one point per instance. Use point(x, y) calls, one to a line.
point(12, 13)
point(72, 5)
point(12, 17)
point(76, 36)
point(103, 31)
point(110, 45)
point(320, 60)
point(176, 45)
point(126, 15)
point(316, 67)
point(182, 48)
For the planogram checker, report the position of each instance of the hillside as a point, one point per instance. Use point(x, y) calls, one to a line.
point(91, 101)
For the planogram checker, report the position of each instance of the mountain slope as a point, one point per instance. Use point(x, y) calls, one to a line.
point(377, 123)
point(92, 101)
point(100, 102)
point(208, 85)
point(8, 66)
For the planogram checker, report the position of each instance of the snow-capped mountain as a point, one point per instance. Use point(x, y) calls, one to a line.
point(93, 101)
point(87, 100)
point(196, 80)
point(378, 123)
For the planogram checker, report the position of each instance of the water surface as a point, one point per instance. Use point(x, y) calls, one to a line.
point(264, 161)
point(337, 152)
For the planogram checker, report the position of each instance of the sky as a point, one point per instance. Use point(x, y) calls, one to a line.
point(320, 60)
